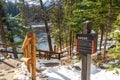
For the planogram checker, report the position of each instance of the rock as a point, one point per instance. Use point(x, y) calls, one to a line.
point(23, 77)
point(40, 69)
point(18, 65)
point(65, 60)
point(7, 69)
point(94, 69)
point(65, 54)
point(77, 68)
point(78, 64)
point(3, 79)
point(37, 78)
point(1, 74)
point(104, 66)
point(74, 57)
point(38, 65)
point(11, 71)
point(15, 77)
point(43, 79)
point(27, 78)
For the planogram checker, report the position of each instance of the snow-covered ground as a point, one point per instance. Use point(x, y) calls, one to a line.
point(63, 72)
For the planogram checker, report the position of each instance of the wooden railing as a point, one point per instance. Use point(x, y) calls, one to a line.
point(42, 54)
point(2, 44)
point(50, 54)
point(13, 51)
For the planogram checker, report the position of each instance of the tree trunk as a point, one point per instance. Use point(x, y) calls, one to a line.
point(15, 52)
point(46, 26)
point(71, 32)
point(105, 45)
point(48, 36)
point(2, 32)
point(24, 12)
point(101, 39)
point(60, 41)
point(59, 26)
point(107, 27)
point(73, 41)
point(70, 42)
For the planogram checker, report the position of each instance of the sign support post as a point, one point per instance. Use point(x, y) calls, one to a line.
point(86, 46)
point(86, 63)
point(86, 58)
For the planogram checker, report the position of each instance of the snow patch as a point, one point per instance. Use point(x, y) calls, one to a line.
point(65, 72)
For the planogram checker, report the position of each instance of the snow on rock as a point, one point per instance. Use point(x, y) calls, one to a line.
point(61, 73)
point(77, 66)
point(48, 61)
point(105, 75)
point(1, 57)
point(22, 73)
point(94, 69)
point(39, 64)
point(65, 72)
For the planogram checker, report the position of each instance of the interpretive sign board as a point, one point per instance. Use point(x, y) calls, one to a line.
point(85, 43)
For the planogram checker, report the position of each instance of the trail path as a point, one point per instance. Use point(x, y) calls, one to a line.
point(7, 67)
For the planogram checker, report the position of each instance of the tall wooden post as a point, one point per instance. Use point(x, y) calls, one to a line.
point(86, 45)
point(33, 58)
point(14, 51)
point(86, 58)
point(29, 47)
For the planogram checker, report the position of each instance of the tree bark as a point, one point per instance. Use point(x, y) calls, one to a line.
point(59, 26)
point(107, 27)
point(101, 39)
point(70, 42)
point(2, 32)
point(46, 26)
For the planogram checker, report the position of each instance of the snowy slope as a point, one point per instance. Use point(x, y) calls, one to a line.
point(62, 72)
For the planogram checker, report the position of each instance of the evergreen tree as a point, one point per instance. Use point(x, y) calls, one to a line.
point(2, 20)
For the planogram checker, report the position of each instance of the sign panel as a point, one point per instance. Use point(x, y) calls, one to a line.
point(85, 43)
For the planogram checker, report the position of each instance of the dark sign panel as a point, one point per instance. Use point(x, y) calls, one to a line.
point(85, 43)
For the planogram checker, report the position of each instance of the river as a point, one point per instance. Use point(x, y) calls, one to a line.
point(41, 40)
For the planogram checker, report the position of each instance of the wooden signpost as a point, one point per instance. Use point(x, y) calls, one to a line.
point(86, 45)
point(29, 48)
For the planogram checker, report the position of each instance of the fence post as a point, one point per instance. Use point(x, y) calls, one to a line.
point(14, 52)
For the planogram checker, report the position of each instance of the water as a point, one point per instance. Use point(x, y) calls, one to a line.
point(41, 41)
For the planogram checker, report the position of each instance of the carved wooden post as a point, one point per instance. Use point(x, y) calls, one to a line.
point(33, 58)
point(29, 47)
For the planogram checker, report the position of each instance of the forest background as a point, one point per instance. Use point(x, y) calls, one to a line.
point(66, 17)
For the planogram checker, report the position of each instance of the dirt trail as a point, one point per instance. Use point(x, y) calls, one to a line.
point(7, 67)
